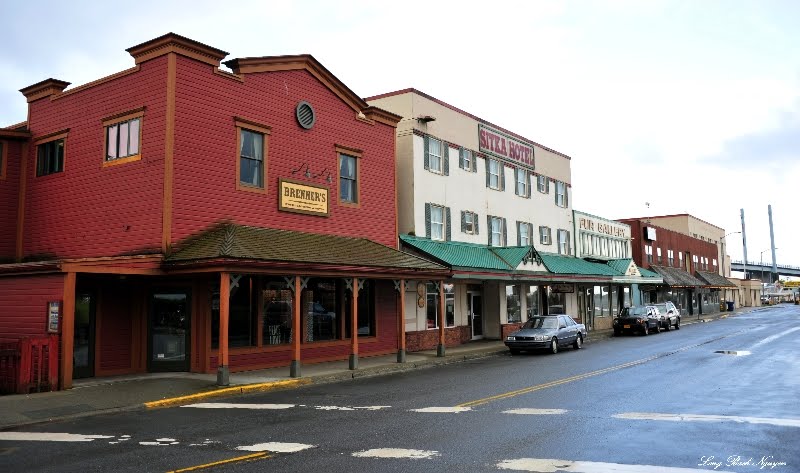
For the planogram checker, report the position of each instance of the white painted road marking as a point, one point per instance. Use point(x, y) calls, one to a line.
point(535, 412)
point(396, 453)
point(708, 418)
point(775, 337)
point(549, 465)
point(276, 447)
point(443, 409)
point(350, 408)
point(230, 405)
point(51, 437)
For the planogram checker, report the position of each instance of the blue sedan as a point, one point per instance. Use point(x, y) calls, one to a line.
point(547, 332)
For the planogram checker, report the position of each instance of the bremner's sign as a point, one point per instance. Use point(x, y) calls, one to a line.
point(499, 144)
point(301, 198)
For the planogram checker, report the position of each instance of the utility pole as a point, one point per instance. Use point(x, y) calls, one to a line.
point(744, 245)
point(772, 244)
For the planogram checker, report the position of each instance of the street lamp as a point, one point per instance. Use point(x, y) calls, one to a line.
point(722, 240)
point(762, 271)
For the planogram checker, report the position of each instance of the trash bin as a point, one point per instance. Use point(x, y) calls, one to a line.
point(730, 305)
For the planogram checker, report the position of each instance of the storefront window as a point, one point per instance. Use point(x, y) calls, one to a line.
point(532, 300)
point(277, 313)
point(449, 305)
point(321, 301)
point(366, 311)
point(626, 297)
point(602, 303)
point(513, 304)
point(556, 302)
point(614, 300)
point(432, 305)
point(242, 314)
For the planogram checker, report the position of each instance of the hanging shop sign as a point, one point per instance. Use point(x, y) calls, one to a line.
point(562, 288)
point(295, 196)
point(503, 146)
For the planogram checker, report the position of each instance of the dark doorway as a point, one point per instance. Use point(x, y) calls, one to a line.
point(168, 328)
point(83, 341)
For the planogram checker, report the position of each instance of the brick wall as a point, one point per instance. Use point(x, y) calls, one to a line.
point(429, 339)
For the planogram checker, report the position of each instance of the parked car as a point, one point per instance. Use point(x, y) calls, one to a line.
point(638, 318)
point(670, 315)
point(547, 332)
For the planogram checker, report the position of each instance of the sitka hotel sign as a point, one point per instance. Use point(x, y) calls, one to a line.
point(500, 145)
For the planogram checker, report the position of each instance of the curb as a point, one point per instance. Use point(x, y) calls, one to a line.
point(241, 389)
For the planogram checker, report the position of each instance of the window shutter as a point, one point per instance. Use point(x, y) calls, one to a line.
point(489, 228)
point(505, 233)
point(448, 231)
point(519, 237)
point(530, 183)
point(487, 174)
point(427, 220)
point(475, 220)
point(569, 243)
point(474, 162)
point(502, 176)
point(461, 155)
point(463, 222)
point(555, 194)
point(530, 234)
point(566, 195)
point(446, 158)
point(427, 152)
point(547, 185)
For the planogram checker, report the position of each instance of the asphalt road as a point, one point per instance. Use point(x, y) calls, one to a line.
point(632, 404)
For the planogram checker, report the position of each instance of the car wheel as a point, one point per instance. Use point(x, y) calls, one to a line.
point(554, 346)
point(514, 351)
point(678, 324)
point(617, 332)
point(658, 327)
point(578, 343)
point(646, 330)
point(668, 326)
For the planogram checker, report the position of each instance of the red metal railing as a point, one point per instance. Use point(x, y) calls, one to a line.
point(29, 365)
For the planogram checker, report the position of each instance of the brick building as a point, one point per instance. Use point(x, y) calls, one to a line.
point(156, 210)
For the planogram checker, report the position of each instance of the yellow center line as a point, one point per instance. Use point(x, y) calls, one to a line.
point(579, 377)
point(252, 456)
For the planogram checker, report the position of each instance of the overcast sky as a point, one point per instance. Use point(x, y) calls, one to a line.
point(690, 106)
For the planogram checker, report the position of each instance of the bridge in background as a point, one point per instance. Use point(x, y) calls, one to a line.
point(762, 271)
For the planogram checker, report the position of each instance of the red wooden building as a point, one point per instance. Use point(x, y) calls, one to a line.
point(135, 201)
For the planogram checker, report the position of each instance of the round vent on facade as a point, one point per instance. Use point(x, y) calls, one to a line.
point(305, 115)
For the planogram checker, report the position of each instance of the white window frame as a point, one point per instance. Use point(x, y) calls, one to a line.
point(545, 235)
point(561, 194)
point(658, 254)
point(494, 175)
point(470, 218)
point(671, 257)
point(438, 168)
point(440, 224)
point(563, 242)
point(469, 160)
point(680, 258)
point(499, 232)
point(523, 182)
point(527, 227)
point(542, 184)
point(648, 250)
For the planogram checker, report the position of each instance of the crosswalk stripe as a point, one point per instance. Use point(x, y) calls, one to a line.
point(230, 405)
point(396, 453)
point(549, 465)
point(530, 411)
point(51, 437)
point(276, 447)
point(708, 418)
point(443, 409)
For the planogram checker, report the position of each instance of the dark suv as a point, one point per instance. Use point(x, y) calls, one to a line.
point(638, 318)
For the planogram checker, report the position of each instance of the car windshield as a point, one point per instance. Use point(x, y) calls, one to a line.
point(634, 311)
point(542, 322)
point(662, 307)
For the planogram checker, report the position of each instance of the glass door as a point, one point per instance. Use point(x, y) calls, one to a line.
point(83, 341)
point(475, 309)
point(169, 331)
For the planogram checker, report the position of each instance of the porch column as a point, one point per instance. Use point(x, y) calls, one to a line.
point(294, 368)
point(440, 349)
point(354, 328)
point(67, 331)
point(223, 371)
point(401, 325)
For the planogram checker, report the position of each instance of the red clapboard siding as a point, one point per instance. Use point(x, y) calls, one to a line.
point(9, 195)
point(89, 210)
point(670, 240)
point(114, 320)
point(205, 154)
point(23, 304)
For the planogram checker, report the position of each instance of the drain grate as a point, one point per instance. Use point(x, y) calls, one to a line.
point(733, 352)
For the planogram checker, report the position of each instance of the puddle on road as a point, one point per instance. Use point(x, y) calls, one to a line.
point(734, 352)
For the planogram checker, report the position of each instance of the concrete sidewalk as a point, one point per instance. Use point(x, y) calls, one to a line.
point(103, 395)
